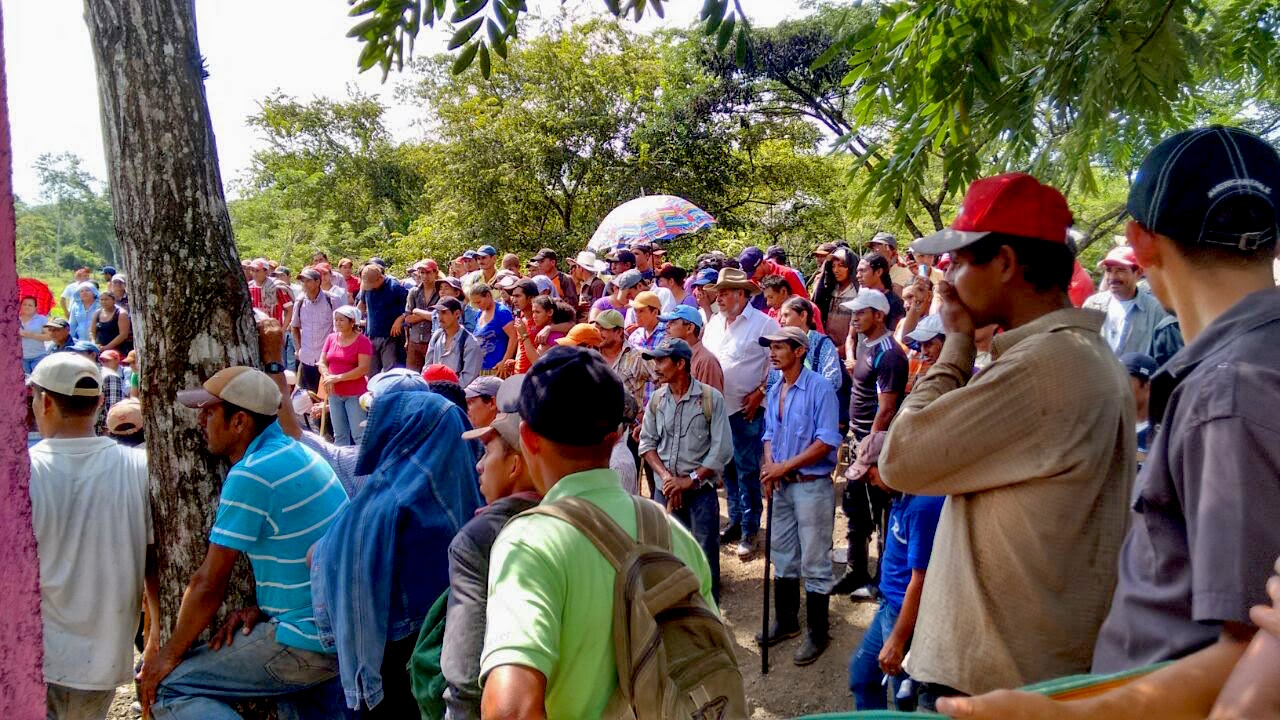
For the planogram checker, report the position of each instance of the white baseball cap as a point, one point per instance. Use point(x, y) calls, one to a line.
point(241, 386)
point(929, 327)
point(63, 372)
point(868, 299)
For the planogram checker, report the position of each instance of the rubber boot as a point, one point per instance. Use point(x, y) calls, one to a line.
point(818, 624)
point(786, 611)
point(856, 575)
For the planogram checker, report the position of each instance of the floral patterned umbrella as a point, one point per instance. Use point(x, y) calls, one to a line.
point(652, 218)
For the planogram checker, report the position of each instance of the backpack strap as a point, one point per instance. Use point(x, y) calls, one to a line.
point(651, 524)
point(706, 404)
point(608, 537)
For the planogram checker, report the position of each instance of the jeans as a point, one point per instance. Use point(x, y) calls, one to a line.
point(64, 703)
point(388, 352)
point(700, 514)
point(347, 416)
point(290, 352)
point(865, 676)
point(800, 536)
point(742, 477)
point(253, 666)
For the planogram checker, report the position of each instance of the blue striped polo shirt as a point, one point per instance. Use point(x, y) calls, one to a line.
point(276, 503)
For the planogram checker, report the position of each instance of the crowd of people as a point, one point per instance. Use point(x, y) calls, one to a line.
point(1059, 481)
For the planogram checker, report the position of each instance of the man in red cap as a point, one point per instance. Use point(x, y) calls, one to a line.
point(418, 315)
point(1035, 454)
point(1132, 315)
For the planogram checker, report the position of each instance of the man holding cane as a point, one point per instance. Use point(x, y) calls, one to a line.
point(801, 434)
point(686, 440)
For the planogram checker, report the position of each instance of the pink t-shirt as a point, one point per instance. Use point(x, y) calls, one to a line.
point(342, 359)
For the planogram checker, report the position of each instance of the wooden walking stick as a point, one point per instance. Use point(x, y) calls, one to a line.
point(764, 647)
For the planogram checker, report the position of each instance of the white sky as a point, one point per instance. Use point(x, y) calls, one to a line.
point(251, 48)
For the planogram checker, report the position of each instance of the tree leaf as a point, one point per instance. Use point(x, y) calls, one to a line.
point(497, 38)
point(464, 34)
point(485, 67)
point(465, 9)
point(726, 32)
point(464, 60)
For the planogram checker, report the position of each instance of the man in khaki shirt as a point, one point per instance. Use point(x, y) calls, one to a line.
point(1035, 454)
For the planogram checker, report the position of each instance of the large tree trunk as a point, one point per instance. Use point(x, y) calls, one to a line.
point(185, 283)
point(22, 693)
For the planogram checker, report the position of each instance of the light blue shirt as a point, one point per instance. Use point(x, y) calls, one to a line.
point(81, 319)
point(810, 414)
point(276, 503)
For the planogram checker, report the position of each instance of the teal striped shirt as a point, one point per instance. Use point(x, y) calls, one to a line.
point(276, 503)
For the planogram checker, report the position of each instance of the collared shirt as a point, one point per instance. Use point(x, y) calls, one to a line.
point(421, 298)
point(642, 339)
point(314, 321)
point(464, 354)
point(737, 346)
point(1036, 456)
point(679, 430)
point(551, 592)
point(275, 504)
point(1139, 321)
point(809, 414)
point(1205, 526)
point(634, 371)
point(705, 368)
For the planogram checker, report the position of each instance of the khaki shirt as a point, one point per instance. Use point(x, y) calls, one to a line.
point(1036, 458)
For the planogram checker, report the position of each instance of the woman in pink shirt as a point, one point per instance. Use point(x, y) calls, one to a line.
point(344, 362)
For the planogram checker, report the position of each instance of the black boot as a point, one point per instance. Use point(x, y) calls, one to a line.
point(817, 637)
point(786, 605)
point(855, 575)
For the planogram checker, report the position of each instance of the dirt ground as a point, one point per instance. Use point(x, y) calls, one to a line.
point(787, 691)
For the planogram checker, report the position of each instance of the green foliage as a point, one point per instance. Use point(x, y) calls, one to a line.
point(71, 227)
point(389, 27)
point(330, 178)
point(1066, 90)
point(572, 124)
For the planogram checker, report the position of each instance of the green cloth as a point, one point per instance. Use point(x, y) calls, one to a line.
point(551, 597)
point(425, 675)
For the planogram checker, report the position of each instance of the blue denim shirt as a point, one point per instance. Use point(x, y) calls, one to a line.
point(810, 414)
point(382, 563)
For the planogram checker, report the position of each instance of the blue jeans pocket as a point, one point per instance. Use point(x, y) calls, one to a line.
point(292, 666)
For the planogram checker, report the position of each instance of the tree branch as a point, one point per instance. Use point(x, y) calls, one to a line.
point(1168, 7)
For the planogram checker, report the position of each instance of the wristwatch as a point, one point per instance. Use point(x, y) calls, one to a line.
point(273, 368)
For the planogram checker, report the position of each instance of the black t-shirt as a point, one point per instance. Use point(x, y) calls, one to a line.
point(879, 367)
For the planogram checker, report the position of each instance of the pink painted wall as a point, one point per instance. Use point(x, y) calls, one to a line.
point(21, 643)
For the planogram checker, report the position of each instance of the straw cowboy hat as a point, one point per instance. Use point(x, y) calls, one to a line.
point(734, 279)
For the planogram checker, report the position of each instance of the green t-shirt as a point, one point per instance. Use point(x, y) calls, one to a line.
point(551, 597)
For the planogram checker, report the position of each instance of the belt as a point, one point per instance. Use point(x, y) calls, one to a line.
point(801, 478)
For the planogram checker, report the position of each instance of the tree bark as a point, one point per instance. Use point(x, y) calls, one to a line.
point(22, 693)
point(185, 283)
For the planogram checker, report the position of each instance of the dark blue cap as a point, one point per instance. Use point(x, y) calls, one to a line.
point(489, 250)
point(572, 397)
point(750, 258)
point(471, 255)
point(375, 260)
point(1139, 365)
point(1214, 185)
point(670, 347)
point(706, 276)
point(81, 346)
point(108, 269)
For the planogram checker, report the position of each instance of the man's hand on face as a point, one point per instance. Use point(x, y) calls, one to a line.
point(955, 316)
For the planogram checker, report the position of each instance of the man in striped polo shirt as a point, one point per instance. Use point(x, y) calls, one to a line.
point(277, 501)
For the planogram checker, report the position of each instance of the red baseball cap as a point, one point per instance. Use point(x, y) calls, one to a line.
point(438, 372)
point(1120, 255)
point(1010, 204)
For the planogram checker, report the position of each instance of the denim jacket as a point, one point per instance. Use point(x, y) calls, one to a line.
point(381, 565)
